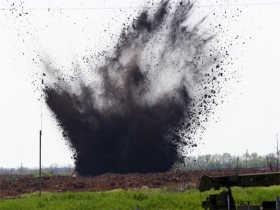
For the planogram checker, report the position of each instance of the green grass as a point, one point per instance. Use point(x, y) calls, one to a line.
point(255, 194)
point(36, 174)
point(118, 199)
point(121, 199)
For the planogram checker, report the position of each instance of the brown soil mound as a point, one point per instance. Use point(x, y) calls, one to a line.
point(14, 186)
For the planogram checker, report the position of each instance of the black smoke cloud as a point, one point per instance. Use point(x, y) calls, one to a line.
point(139, 111)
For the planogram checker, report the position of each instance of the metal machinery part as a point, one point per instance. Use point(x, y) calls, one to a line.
point(225, 201)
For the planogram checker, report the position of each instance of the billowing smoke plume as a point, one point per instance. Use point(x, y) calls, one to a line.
point(141, 108)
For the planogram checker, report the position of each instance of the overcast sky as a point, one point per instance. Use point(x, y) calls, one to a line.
point(66, 31)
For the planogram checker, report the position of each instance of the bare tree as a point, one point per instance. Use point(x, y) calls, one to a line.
point(269, 162)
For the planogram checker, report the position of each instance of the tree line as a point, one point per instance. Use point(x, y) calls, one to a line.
point(226, 160)
point(53, 169)
point(208, 161)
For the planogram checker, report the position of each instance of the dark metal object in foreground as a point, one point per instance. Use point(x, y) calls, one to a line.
point(225, 201)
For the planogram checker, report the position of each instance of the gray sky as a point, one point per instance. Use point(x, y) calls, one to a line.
point(248, 119)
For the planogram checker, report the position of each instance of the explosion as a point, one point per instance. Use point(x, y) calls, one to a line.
point(139, 111)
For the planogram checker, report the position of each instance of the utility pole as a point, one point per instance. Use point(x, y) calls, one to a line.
point(277, 152)
point(246, 156)
point(21, 168)
point(237, 162)
point(40, 171)
point(40, 141)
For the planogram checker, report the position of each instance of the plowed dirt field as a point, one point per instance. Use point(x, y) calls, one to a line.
point(15, 185)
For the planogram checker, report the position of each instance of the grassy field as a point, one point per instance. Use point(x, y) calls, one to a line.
point(132, 199)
